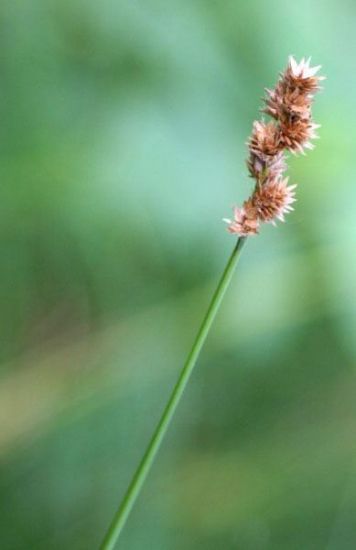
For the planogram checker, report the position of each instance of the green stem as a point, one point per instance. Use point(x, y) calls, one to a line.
point(143, 469)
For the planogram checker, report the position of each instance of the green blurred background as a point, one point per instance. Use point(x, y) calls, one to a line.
point(123, 126)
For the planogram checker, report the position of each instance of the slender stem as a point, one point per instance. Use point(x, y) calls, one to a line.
point(143, 469)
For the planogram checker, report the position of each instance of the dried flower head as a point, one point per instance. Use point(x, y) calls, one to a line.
point(296, 135)
point(245, 221)
point(265, 141)
point(302, 75)
point(289, 104)
point(283, 102)
point(293, 94)
point(274, 199)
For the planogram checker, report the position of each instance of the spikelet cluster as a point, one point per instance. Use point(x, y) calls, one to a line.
point(290, 130)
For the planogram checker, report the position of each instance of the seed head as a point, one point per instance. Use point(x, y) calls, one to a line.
point(273, 199)
point(292, 129)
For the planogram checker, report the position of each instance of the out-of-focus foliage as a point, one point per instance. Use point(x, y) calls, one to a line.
point(122, 128)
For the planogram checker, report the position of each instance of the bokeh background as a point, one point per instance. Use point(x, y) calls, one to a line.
point(123, 129)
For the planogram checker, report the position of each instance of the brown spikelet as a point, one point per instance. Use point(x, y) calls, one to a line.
point(285, 104)
point(302, 76)
point(245, 220)
point(265, 141)
point(296, 135)
point(274, 199)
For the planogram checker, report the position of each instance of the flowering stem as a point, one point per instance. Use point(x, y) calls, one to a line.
point(143, 469)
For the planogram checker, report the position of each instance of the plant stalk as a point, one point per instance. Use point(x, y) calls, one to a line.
point(145, 465)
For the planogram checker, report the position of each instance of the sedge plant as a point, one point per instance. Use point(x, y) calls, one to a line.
point(290, 129)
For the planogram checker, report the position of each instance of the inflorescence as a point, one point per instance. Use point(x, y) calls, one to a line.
point(292, 128)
